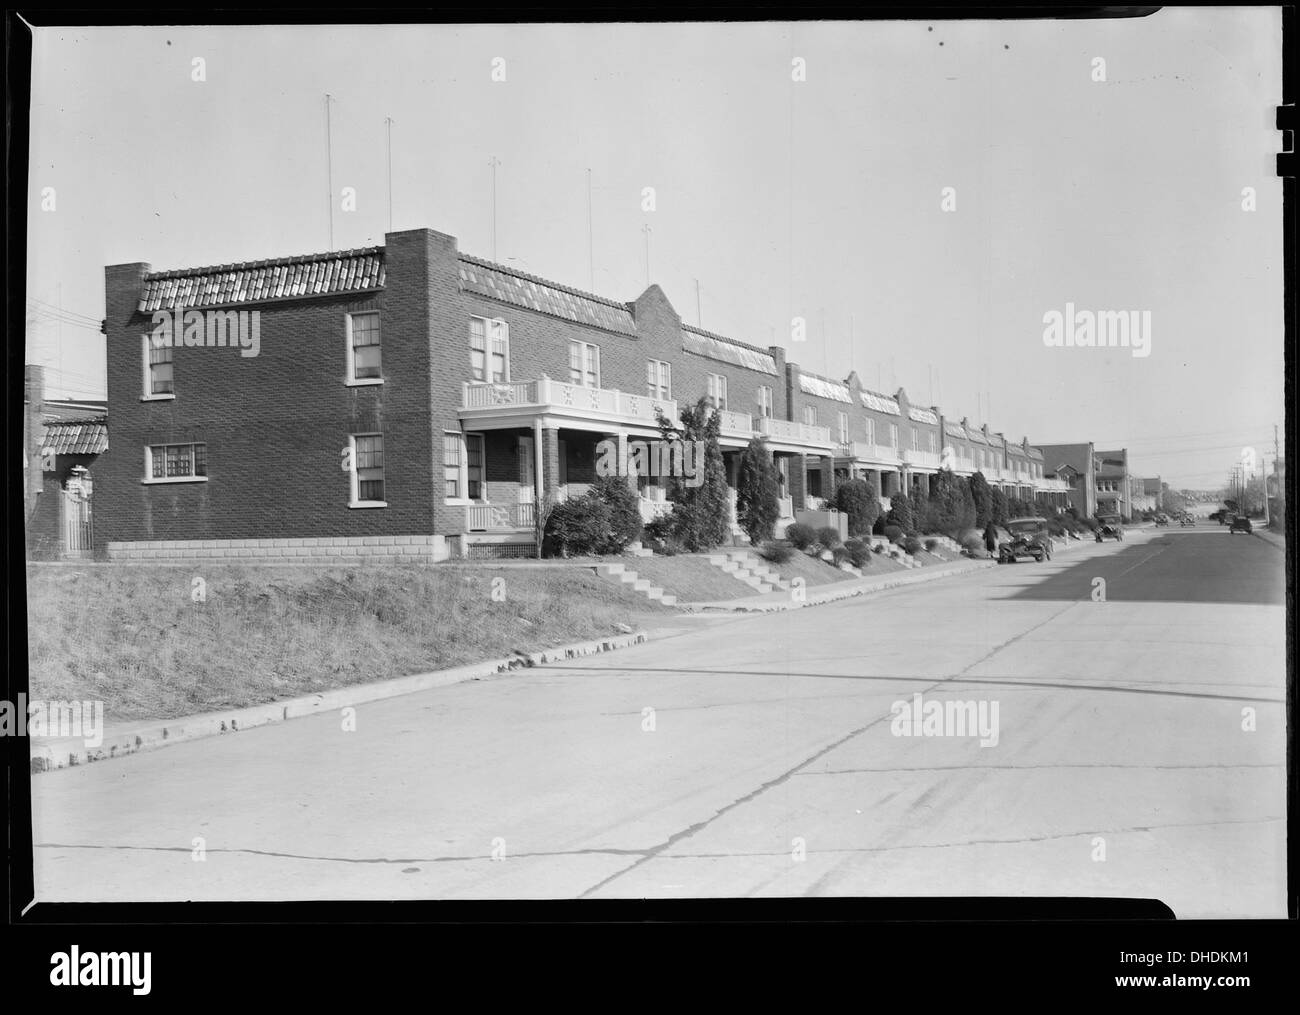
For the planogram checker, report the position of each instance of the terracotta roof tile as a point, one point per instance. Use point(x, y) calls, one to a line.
point(77, 436)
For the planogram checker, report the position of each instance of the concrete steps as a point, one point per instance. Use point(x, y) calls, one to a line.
point(743, 569)
point(624, 575)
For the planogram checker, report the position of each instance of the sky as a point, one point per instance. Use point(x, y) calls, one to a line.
point(824, 198)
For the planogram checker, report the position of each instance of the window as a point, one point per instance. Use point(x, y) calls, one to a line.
point(474, 466)
point(844, 427)
point(764, 401)
point(584, 364)
point(489, 349)
point(363, 347)
point(452, 460)
point(893, 435)
point(916, 439)
point(158, 379)
point(934, 442)
point(176, 462)
point(368, 469)
point(810, 415)
point(718, 391)
point(870, 427)
point(658, 379)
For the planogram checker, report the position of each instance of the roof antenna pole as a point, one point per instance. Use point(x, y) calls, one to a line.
point(329, 168)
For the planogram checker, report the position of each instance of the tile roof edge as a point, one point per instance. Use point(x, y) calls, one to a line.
point(216, 269)
point(694, 330)
point(483, 262)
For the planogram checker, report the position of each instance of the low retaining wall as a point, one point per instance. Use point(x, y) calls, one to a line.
point(333, 549)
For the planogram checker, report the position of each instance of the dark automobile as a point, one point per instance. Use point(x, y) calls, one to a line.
point(1239, 524)
point(1109, 527)
point(1162, 519)
point(1029, 538)
point(1221, 516)
point(1186, 520)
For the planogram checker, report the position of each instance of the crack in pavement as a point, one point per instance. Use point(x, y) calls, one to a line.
point(1044, 766)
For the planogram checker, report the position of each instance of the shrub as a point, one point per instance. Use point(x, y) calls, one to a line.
point(857, 499)
point(840, 554)
point(900, 512)
point(828, 537)
point(912, 545)
point(775, 553)
point(973, 544)
point(757, 493)
point(931, 543)
point(800, 536)
point(877, 548)
point(699, 511)
point(658, 528)
point(624, 512)
point(982, 496)
point(893, 533)
point(859, 552)
point(577, 527)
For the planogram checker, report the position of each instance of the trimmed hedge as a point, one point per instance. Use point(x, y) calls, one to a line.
point(800, 536)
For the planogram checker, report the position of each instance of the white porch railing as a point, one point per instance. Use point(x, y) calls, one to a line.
point(736, 424)
point(499, 517)
point(787, 430)
point(924, 459)
point(652, 509)
point(547, 393)
point(866, 451)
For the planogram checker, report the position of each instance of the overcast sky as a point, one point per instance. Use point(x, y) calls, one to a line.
point(818, 198)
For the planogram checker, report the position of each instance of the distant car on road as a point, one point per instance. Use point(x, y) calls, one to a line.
point(1109, 526)
point(1162, 519)
point(1029, 538)
point(1240, 524)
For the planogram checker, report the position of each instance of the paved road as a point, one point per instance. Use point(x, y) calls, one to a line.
point(1121, 766)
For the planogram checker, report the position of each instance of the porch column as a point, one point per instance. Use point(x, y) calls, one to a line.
point(798, 483)
point(546, 460)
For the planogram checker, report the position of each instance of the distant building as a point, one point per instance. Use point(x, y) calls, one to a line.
point(1113, 493)
point(1074, 465)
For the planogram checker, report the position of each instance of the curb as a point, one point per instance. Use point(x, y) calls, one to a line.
point(48, 757)
point(913, 578)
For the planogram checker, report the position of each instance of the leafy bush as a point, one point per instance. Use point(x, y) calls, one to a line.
point(893, 533)
point(931, 543)
point(982, 497)
point(877, 548)
point(699, 511)
point(858, 500)
point(900, 512)
point(624, 512)
point(800, 536)
point(775, 553)
point(950, 508)
point(859, 552)
point(828, 536)
point(840, 555)
point(912, 545)
point(973, 543)
point(577, 527)
point(658, 528)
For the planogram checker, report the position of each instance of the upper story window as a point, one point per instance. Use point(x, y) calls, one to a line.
point(175, 463)
point(916, 439)
point(869, 426)
point(489, 349)
point(810, 415)
point(764, 401)
point(934, 442)
point(659, 379)
point(893, 435)
point(844, 427)
point(718, 391)
point(584, 364)
point(367, 470)
point(158, 379)
point(363, 349)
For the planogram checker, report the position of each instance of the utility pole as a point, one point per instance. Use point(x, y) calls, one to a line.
point(494, 162)
point(388, 123)
point(647, 230)
point(591, 246)
point(329, 167)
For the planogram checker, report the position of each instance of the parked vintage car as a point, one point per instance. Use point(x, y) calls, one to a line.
point(1240, 524)
point(1029, 537)
point(1110, 527)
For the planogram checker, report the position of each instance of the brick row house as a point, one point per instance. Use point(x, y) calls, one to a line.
point(410, 400)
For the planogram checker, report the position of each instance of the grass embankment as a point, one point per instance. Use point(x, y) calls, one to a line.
point(133, 636)
point(691, 578)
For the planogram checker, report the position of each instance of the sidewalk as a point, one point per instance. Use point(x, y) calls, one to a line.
point(1276, 538)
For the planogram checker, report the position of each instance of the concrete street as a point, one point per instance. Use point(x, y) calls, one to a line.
point(1121, 766)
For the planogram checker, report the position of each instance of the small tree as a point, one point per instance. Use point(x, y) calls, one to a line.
point(900, 512)
point(699, 508)
point(758, 504)
point(857, 499)
point(999, 507)
point(982, 494)
point(624, 512)
point(951, 509)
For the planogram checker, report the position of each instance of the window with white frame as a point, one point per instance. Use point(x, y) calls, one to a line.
point(810, 415)
point(764, 401)
point(934, 442)
point(158, 379)
point(464, 467)
point(474, 467)
point(363, 347)
point(368, 468)
point(659, 379)
point(844, 427)
point(893, 435)
point(175, 462)
point(718, 391)
point(489, 349)
point(453, 461)
point(584, 364)
point(869, 426)
point(916, 439)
